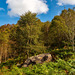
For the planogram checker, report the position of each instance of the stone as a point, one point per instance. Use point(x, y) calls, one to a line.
point(38, 59)
point(19, 65)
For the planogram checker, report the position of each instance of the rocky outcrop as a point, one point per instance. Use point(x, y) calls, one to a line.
point(41, 58)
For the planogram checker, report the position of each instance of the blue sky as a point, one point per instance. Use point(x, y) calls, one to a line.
point(9, 9)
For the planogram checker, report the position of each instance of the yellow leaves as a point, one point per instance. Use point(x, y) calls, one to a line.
point(65, 47)
point(10, 59)
point(57, 49)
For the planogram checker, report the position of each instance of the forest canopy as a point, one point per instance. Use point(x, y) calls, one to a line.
point(30, 36)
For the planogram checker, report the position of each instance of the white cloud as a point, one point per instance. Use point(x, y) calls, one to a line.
point(66, 2)
point(2, 9)
point(19, 7)
point(59, 13)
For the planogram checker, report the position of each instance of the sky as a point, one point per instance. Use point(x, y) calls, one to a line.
point(11, 10)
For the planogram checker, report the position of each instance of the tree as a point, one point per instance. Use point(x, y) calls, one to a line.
point(57, 32)
point(27, 35)
point(45, 30)
point(69, 16)
point(4, 42)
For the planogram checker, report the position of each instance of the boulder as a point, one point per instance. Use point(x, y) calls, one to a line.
point(19, 65)
point(41, 58)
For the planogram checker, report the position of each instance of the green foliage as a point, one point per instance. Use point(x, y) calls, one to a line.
point(60, 67)
point(57, 31)
point(69, 17)
point(65, 54)
point(30, 37)
point(27, 36)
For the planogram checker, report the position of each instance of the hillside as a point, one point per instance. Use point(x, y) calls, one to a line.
point(31, 37)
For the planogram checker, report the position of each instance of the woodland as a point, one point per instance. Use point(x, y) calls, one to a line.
point(30, 37)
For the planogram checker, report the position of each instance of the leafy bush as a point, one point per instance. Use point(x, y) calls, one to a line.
point(60, 67)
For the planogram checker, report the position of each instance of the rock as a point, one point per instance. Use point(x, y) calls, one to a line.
point(41, 58)
point(19, 65)
point(25, 65)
